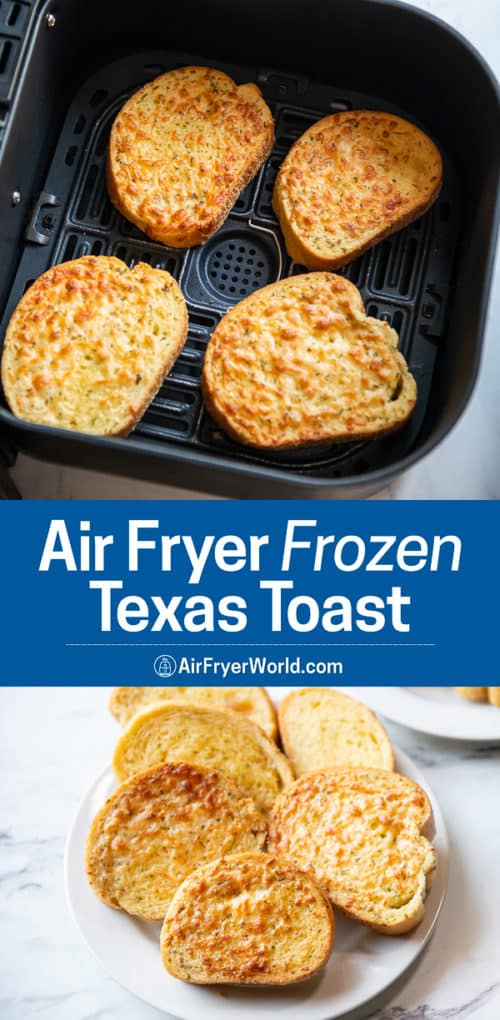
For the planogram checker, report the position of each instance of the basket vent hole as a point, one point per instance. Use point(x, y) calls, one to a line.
point(409, 258)
point(444, 211)
point(381, 265)
point(87, 190)
point(69, 158)
point(27, 285)
point(5, 55)
point(70, 248)
point(79, 124)
point(234, 268)
point(13, 15)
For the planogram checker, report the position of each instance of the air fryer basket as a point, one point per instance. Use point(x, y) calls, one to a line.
point(429, 281)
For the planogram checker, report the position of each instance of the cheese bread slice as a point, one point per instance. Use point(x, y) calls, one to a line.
point(473, 693)
point(160, 825)
point(182, 149)
point(90, 344)
point(320, 727)
point(350, 180)
point(299, 362)
point(206, 736)
point(248, 919)
point(252, 702)
point(359, 832)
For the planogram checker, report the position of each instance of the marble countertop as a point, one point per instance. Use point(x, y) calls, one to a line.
point(54, 741)
point(460, 468)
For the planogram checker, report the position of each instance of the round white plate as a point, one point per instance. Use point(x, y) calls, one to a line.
point(363, 963)
point(438, 711)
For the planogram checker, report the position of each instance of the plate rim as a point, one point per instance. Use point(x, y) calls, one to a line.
point(357, 1010)
point(398, 705)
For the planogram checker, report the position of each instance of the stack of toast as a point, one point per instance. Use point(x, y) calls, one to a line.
point(295, 364)
point(245, 850)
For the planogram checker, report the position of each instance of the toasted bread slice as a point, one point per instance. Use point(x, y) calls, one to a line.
point(252, 702)
point(248, 919)
point(206, 736)
point(473, 693)
point(320, 727)
point(160, 825)
point(352, 179)
point(494, 696)
point(359, 831)
point(90, 343)
point(299, 362)
point(182, 149)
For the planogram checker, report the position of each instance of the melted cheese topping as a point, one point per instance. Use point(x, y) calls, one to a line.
point(351, 178)
point(181, 150)
point(247, 919)
point(90, 343)
point(299, 362)
point(159, 826)
point(359, 832)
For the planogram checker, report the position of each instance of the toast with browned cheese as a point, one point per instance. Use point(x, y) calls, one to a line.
point(247, 919)
point(350, 180)
point(182, 149)
point(360, 833)
point(160, 825)
point(90, 343)
point(299, 362)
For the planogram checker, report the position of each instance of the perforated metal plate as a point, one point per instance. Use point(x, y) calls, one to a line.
point(404, 280)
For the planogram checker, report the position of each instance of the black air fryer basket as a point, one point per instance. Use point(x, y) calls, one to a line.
point(65, 69)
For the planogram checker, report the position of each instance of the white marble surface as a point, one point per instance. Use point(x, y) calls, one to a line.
point(53, 742)
point(461, 467)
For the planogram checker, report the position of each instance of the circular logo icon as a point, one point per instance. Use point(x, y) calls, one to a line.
point(165, 666)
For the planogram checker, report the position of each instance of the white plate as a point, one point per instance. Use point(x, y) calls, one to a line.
point(438, 711)
point(363, 963)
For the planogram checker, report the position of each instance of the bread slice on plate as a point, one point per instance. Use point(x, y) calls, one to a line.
point(206, 736)
point(299, 362)
point(359, 832)
point(90, 344)
point(248, 919)
point(320, 727)
point(160, 825)
point(182, 149)
point(252, 702)
point(473, 693)
point(350, 180)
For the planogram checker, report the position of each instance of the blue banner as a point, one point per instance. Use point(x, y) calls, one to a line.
point(249, 593)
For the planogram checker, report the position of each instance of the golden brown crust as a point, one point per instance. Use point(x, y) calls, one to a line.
point(359, 831)
point(351, 180)
point(160, 825)
point(90, 343)
point(299, 362)
point(320, 727)
point(473, 693)
point(211, 737)
point(248, 919)
point(182, 149)
point(251, 702)
point(494, 696)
